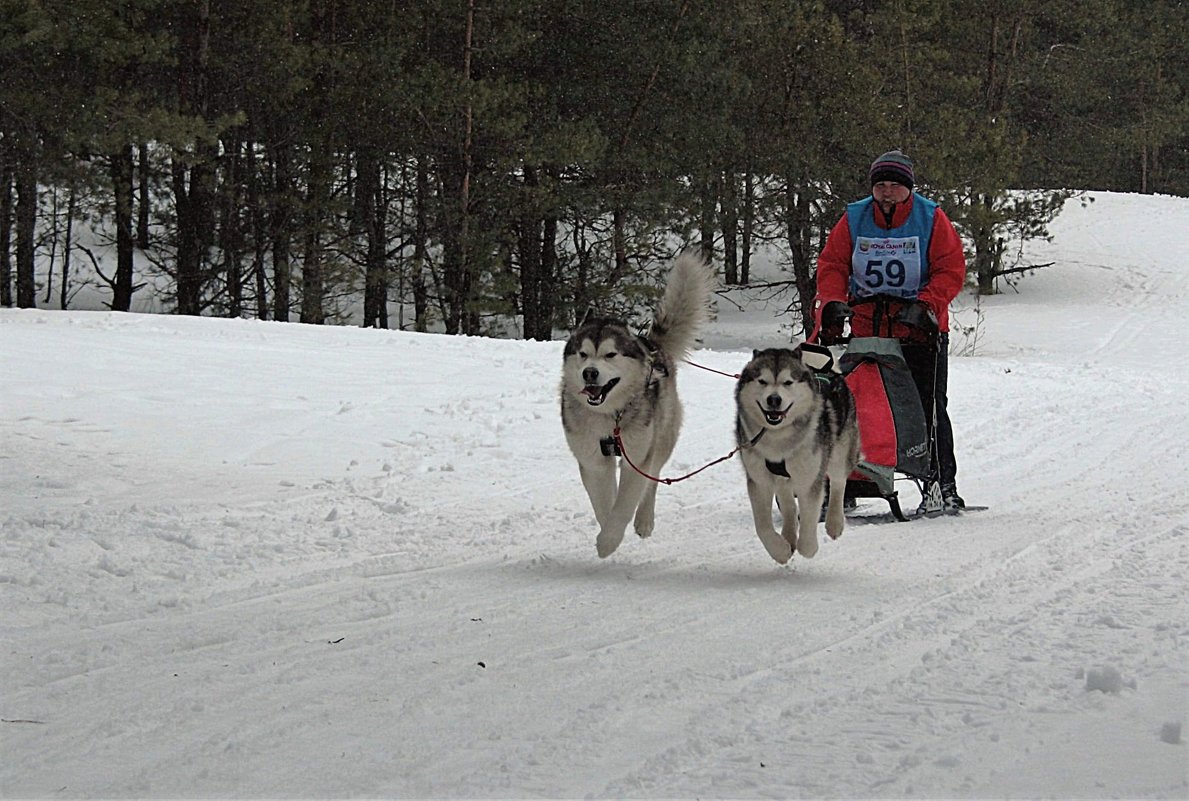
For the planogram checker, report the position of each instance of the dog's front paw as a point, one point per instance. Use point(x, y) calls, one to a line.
point(835, 522)
point(607, 542)
point(779, 549)
point(807, 546)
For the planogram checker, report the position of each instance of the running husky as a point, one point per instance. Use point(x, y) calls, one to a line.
point(795, 428)
point(613, 378)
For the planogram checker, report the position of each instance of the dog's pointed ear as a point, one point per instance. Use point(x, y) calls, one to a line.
point(755, 353)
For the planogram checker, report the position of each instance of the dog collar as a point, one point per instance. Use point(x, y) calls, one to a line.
point(753, 440)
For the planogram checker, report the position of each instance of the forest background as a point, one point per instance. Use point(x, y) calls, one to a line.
point(504, 167)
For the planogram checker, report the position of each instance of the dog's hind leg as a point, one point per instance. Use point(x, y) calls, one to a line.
point(761, 511)
point(600, 487)
point(838, 470)
point(835, 512)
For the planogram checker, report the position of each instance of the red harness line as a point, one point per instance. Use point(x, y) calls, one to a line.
point(736, 376)
point(623, 451)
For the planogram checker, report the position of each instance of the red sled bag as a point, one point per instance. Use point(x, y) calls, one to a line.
point(892, 431)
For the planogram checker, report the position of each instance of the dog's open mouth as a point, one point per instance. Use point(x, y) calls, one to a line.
point(774, 416)
point(597, 393)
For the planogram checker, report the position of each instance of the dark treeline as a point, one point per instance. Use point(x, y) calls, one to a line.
point(508, 165)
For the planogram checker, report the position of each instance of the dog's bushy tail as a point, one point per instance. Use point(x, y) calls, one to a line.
point(685, 307)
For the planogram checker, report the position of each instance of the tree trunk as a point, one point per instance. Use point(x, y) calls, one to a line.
point(454, 280)
point(528, 249)
point(420, 263)
point(281, 230)
point(707, 219)
point(997, 85)
point(1143, 168)
point(313, 267)
point(259, 223)
point(26, 214)
point(192, 196)
point(192, 180)
point(619, 245)
point(68, 245)
point(5, 226)
point(53, 237)
point(231, 240)
point(145, 204)
point(120, 166)
point(985, 264)
point(580, 304)
point(537, 250)
point(370, 204)
point(313, 275)
point(457, 280)
point(800, 229)
point(454, 182)
point(547, 305)
point(730, 228)
point(462, 307)
point(749, 216)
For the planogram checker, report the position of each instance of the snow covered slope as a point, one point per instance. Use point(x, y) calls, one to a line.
point(246, 559)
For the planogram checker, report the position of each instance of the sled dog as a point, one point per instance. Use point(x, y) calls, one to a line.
point(613, 378)
point(795, 428)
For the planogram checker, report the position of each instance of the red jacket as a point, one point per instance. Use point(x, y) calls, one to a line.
point(947, 272)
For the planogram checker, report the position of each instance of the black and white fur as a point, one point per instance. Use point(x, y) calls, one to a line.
point(795, 428)
point(611, 377)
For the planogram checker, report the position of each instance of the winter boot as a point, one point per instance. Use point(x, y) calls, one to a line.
point(932, 503)
point(951, 501)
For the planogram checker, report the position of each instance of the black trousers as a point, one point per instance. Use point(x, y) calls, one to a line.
point(929, 366)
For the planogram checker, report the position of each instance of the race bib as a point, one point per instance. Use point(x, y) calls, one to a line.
point(886, 267)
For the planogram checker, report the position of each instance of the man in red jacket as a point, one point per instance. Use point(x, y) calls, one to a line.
point(891, 266)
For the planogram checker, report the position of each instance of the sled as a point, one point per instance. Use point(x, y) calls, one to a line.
point(895, 435)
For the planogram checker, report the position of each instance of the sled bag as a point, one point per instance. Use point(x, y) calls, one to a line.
point(892, 430)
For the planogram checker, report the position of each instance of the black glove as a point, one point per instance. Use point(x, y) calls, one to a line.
point(836, 313)
point(834, 317)
point(917, 315)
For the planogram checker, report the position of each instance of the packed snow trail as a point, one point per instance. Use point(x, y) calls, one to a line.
point(245, 559)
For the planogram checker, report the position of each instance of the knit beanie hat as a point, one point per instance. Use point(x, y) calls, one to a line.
point(892, 166)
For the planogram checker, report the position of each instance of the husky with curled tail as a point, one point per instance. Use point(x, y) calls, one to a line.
point(795, 427)
point(613, 379)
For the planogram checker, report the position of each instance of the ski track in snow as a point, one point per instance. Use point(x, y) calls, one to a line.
point(320, 563)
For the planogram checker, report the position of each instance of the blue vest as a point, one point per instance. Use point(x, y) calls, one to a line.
point(889, 261)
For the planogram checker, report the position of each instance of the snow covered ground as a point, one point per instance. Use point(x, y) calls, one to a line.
point(248, 559)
